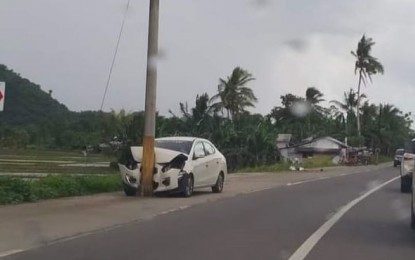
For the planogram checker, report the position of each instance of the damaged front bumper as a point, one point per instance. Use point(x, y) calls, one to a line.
point(168, 173)
point(162, 181)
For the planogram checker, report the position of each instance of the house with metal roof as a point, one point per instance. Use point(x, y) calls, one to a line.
point(311, 147)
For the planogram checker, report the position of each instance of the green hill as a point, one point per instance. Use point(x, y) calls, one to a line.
point(32, 116)
point(26, 103)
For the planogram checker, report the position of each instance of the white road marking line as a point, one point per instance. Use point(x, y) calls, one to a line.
point(10, 252)
point(310, 180)
point(298, 182)
point(174, 210)
point(321, 178)
point(310, 243)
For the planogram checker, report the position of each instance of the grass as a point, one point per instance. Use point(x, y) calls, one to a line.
point(54, 168)
point(278, 167)
point(48, 155)
point(318, 161)
point(384, 159)
point(56, 162)
point(17, 190)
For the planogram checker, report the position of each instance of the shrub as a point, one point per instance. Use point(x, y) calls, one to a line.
point(13, 191)
point(18, 190)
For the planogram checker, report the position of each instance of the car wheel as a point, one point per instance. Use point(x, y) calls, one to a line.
point(218, 187)
point(129, 191)
point(394, 164)
point(406, 184)
point(189, 186)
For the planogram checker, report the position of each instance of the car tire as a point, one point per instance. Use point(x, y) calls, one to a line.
point(218, 187)
point(129, 191)
point(188, 186)
point(406, 184)
point(394, 164)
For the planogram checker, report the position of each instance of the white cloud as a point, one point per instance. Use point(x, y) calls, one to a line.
point(67, 47)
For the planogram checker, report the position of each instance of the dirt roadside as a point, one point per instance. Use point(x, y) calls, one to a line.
point(32, 225)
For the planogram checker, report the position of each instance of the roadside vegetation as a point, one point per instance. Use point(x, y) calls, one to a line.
point(320, 161)
point(54, 162)
point(247, 139)
point(18, 190)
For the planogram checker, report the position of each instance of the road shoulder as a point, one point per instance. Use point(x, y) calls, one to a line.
point(32, 225)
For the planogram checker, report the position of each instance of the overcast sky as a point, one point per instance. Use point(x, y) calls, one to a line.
point(288, 45)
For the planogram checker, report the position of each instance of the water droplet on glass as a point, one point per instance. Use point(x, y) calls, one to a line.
point(300, 109)
point(400, 210)
point(261, 3)
point(154, 61)
point(284, 254)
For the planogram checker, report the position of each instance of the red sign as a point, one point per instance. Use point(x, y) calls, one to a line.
point(2, 91)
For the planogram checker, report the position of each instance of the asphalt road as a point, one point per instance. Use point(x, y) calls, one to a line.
point(270, 224)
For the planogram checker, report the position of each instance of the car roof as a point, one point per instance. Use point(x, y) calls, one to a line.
point(182, 138)
point(177, 138)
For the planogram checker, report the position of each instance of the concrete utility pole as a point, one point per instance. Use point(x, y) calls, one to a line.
point(150, 103)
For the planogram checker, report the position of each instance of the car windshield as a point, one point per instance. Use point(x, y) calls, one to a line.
point(175, 145)
point(400, 152)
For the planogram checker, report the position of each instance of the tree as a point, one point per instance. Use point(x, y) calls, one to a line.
point(313, 96)
point(233, 94)
point(285, 120)
point(347, 108)
point(196, 119)
point(366, 66)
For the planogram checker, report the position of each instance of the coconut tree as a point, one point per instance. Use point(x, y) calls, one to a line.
point(365, 66)
point(348, 107)
point(233, 94)
point(313, 98)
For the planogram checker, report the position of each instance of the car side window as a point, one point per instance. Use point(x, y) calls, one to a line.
point(209, 148)
point(199, 150)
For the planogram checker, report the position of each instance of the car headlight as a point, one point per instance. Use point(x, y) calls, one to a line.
point(166, 168)
point(131, 165)
point(130, 179)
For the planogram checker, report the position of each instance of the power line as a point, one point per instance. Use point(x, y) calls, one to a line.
point(115, 54)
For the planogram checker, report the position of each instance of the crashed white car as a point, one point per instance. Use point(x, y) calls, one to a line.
point(181, 164)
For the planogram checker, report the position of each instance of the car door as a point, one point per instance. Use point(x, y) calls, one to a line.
point(200, 165)
point(213, 162)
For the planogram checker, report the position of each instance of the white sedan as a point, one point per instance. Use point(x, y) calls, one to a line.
point(182, 164)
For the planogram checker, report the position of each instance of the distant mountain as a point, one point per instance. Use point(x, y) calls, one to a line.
point(32, 116)
point(26, 103)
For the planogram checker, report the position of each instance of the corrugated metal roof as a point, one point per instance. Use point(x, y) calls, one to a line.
point(319, 138)
point(284, 138)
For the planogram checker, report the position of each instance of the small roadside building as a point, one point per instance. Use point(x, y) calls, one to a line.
point(283, 141)
point(312, 146)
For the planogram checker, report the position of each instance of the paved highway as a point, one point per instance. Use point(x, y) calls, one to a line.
point(325, 219)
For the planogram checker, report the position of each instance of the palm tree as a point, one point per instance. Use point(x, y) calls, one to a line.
point(349, 103)
point(313, 97)
point(366, 65)
point(348, 106)
point(233, 95)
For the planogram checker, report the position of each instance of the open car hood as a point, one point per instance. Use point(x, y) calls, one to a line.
point(161, 155)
